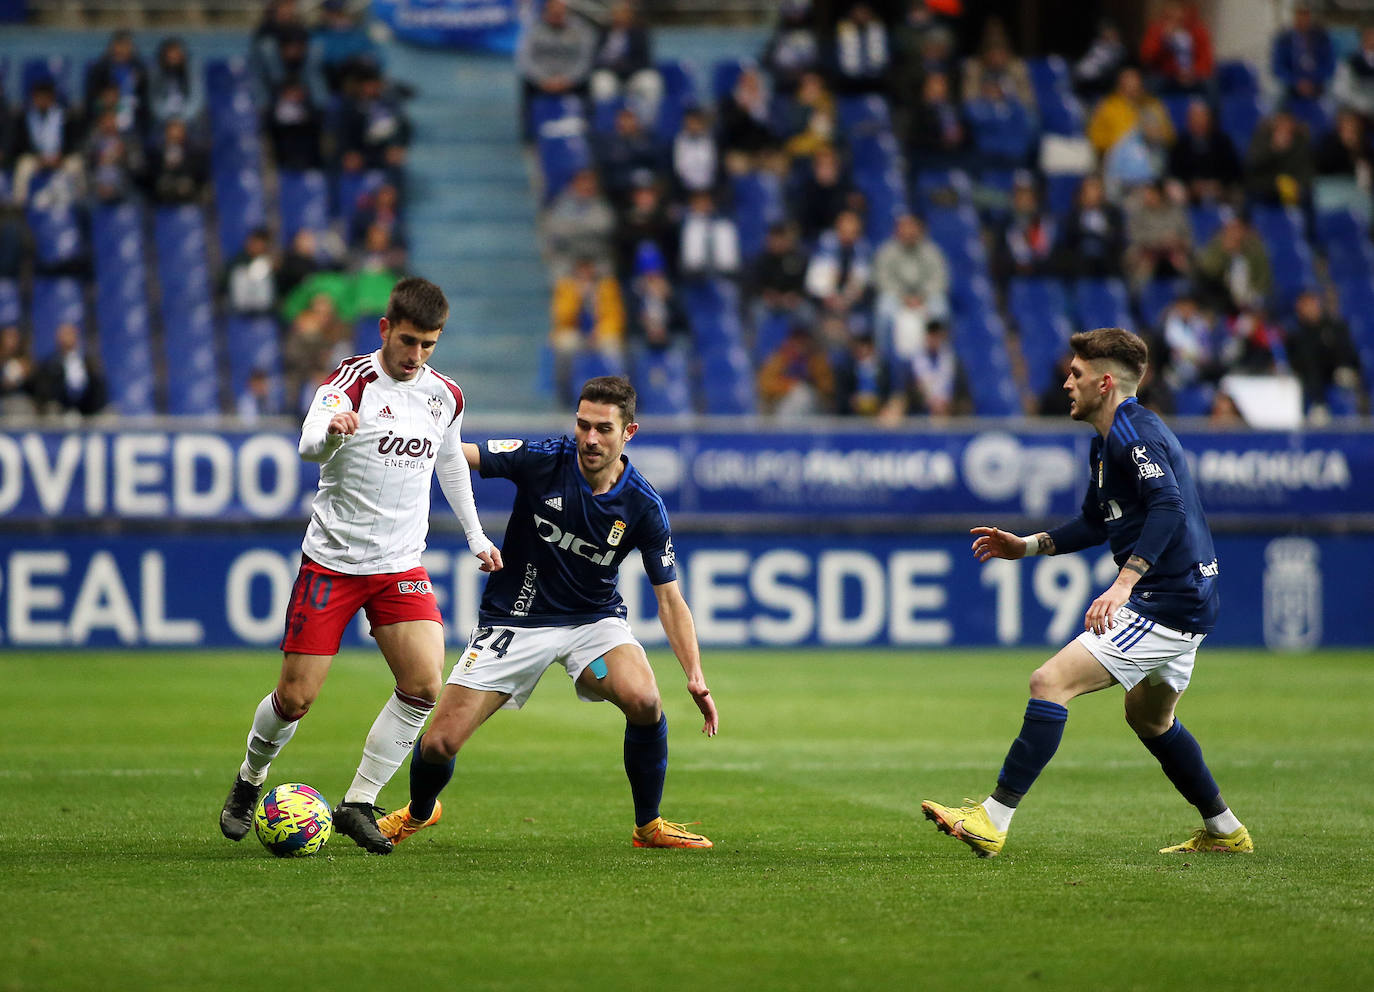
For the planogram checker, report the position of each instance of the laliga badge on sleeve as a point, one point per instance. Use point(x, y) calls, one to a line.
point(501, 447)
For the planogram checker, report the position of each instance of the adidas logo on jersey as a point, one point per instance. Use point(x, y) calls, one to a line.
point(556, 502)
point(386, 414)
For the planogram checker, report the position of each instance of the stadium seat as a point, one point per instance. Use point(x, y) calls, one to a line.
point(980, 343)
point(724, 74)
point(56, 301)
point(662, 381)
point(727, 383)
point(56, 68)
point(758, 203)
point(366, 336)
point(1205, 219)
point(9, 302)
point(679, 93)
point(1061, 192)
point(304, 203)
point(772, 330)
point(1102, 303)
point(1236, 76)
point(57, 238)
point(560, 158)
point(592, 364)
point(864, 116)
point(252, 343)
point(1238, 114)
point(1155, 298)
point(942, 188)
point(349, 190)
point(1194, 401)
point(546, 110)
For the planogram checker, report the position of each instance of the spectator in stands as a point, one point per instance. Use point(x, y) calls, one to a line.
point(1096, 72)
point(912, 281)
point(114, 159)
point(1225, 412)
point(48, 141)
point(808, 123)
point(864, 383)
point(645, 224)
point(69, 381)
point(1353, 84)
point(249, 282)
point(1002, 129)
point(793, 49)
point(744, 126)
point(1321, 354)
point(16, 373)
point(1159, 239)
point(380, 207)
point(379, 253)
point(1302, 58)
point(175, 87)
point(122, 68)
point(1344, 152)
point(302, 260)
point(708, 241)
point(1191, 347)
point(1093, 236)
point(1177, 49)
point(657, 319)
point(1025, 243)
point(937, 137)
point(824, 192)
point(935, 382)
point(373, 129)
point(554, 57)
point(588, 314)
point(178, 169)
point(258, 399)
point(295, 127)
point(1130, 109)
point(308, 351)
point(625, 152)
point(624, 63)
point(281, 46)
point(796, 380)
point(997, 64)
point(839, 275)
point(1278, 166)
point(922, 44)
point(1232, 271)
point(777, 281)
point(1203, 158)
point(343, 44)
point(579, 224)
point(862, 53)
point(1252, 345)
point(1054, 401)
point(696, 156)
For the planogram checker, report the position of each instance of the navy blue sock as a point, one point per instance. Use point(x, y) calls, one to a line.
point(1041, 731)
point(1180, 756)
point(427, 780)
point(646, 764)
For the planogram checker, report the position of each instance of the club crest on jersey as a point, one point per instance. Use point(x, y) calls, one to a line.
point(436, 407)
point(332, 399)
point(503, 446)
point(617, 532)
point(1147, 468)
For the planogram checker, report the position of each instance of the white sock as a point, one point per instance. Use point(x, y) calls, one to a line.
point(1224, 822)
point(388, 742)
point(999, 813)
point(266, 738)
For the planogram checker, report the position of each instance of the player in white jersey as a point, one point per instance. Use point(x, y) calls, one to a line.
point(381, 427)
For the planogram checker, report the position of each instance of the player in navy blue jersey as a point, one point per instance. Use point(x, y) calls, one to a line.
point(1144, 631)
point(580, 509)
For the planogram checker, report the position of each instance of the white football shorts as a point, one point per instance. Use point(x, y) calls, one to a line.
point(1138, 648)
point(512, 659)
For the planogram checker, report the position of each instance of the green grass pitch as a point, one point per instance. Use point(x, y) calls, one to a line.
point(113, 873)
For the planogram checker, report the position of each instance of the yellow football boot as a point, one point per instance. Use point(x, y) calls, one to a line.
point(397, 825)
point(661, 833)
point(1205, 842)
point(969, 824)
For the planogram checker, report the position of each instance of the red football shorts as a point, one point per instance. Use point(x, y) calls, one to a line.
point(323, 602)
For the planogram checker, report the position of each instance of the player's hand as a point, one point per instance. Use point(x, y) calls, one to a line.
point(702, 697)
point(994, 543)
point(345, 423)
point(491, 560)
point(1101, 615)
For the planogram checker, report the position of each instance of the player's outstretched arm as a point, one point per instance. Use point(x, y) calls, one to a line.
point(676, 618)
point(991, 542)
point(473, 455)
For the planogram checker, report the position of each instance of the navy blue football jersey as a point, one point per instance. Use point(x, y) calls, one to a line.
point(1139, 472)
point(564, 545)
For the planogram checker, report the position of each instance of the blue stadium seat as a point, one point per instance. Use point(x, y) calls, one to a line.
point(367, 338)
point(55, 302)
point(304, 203)
point(545, 110)
point(758, 203)
point(771, 332)
point(57, 68)
point(1038, 308)
point(1238, 115)
point(193, 379)
point(727, 383)
point(942, 188)
point(560, 158)
point(1194, 400)
point(1155, 298)
point(980, 343)
point(1312, 113)
point(1236, 76)
point(1002, 137)
point(1048, 73)
point(661, 379)
point(886, 200)
point(1061, 192)
point(864, 116)
point(1102, 303)
point(1205, 219)
point(9, 302)
point(252, 343)
point(592, 364)
point(57, 236)
point(724, 74)
point(679, 93)
point(242, 204)
point(349, 190)
point(604, 113)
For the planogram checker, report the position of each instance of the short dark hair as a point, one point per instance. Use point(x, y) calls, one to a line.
point(613, 389)
point(418, 302)
point(1116, 345)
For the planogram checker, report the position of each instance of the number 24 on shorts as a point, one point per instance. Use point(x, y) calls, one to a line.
point(498, 647)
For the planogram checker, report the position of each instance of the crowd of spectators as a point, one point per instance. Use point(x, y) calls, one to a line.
point(845, 315)
point(140, 131)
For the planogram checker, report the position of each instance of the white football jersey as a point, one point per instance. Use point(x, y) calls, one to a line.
point(371, 512)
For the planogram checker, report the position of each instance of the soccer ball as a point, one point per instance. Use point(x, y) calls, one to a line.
point(293, 821)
